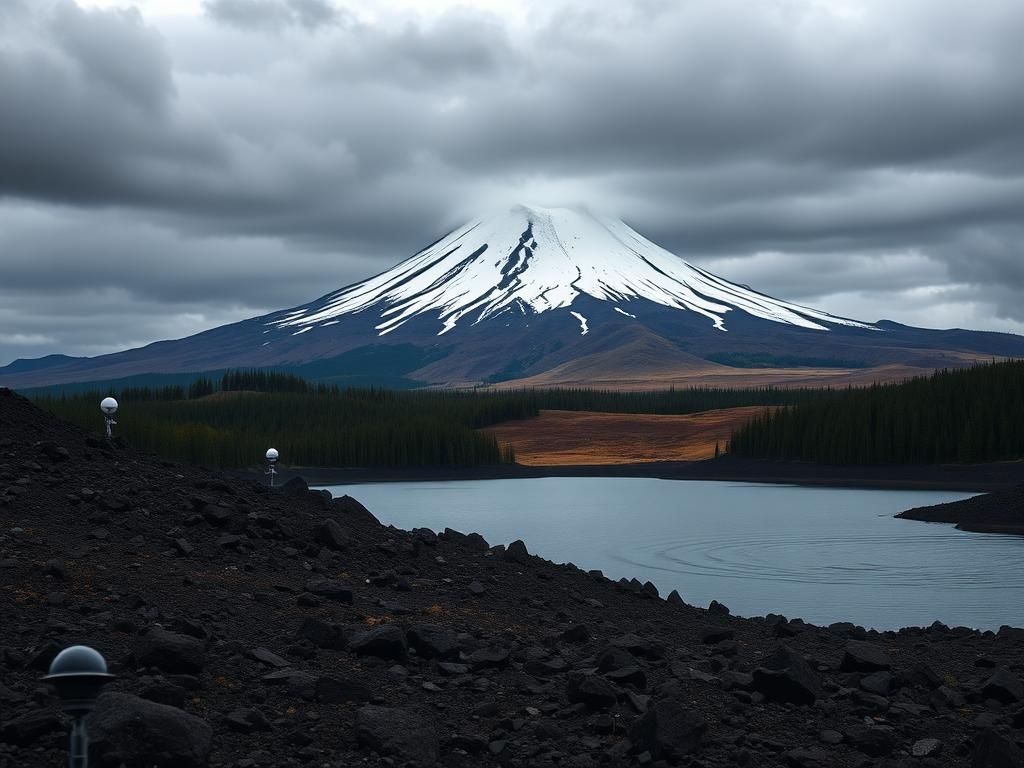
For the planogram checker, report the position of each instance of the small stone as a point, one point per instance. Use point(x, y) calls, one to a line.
point(926, 748)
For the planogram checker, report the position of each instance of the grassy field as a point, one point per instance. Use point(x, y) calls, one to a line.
point(584, 437)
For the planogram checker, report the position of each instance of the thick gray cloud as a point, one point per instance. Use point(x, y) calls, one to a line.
point(169, 173)
point(273, 14)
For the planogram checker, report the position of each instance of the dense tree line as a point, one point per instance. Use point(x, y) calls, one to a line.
point(966, 415)
point(230, 421)
point(325, 427)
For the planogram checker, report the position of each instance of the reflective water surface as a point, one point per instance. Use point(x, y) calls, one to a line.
point(821, 554)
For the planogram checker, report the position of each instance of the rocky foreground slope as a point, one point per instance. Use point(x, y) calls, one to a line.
point(256, 628)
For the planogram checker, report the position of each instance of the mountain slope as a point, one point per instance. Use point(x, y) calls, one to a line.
point(556, 256)
point(558, 296)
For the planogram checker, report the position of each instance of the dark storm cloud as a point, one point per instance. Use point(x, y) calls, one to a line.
point(796, 146)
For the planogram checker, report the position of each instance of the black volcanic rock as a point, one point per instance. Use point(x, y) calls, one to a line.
point(433, 642)
point(331, 534)
point(670, 728)
point(386, 642)
point(1004, 686)
point(993, 750)
point(591, 690)
point(489, 682)
point(125, 729)
point(170, 651)
point(398, 733)
point(787, 677)
point(859, 656)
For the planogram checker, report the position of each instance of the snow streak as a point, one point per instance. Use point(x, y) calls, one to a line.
point(532, 260)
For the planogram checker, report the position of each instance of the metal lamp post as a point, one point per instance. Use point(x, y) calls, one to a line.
point(78, 673)
point(109, 407)
point(272, 456)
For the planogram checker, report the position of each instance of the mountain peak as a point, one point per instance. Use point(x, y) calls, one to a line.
point(530, 259)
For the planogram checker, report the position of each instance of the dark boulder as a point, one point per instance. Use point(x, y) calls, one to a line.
point(322, 634)
point(295, 487)
point(591, 690)
point(1004, 686)
point(386, 642)
point(331, 534)
point(494, 657)
point(125, 729)
point(516, 552)
point(872, 740)
point(713, 635)
point(170, 651)
point(346, 505)
point(787, 677)
point(550, 668)
point(329, 589)
point(27, 729)
point(717, 609)
point(669, 729)
point(628, 676)
point(992, 750)
point(433, 642)
point(333, 690)
point(859, 656)
point(398, 733)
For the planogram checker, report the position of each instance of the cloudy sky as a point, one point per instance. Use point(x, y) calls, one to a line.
point(167, 166)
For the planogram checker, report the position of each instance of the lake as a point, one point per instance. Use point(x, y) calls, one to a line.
point(821, 554)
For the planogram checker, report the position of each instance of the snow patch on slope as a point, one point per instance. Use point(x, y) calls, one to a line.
point(583, 323)
point(538, 259)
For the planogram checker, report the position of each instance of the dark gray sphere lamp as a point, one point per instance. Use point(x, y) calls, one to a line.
point(78, 674)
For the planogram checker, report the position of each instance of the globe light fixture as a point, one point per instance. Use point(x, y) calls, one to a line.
point(78, 674)
point(272, 456)
point(109, 407)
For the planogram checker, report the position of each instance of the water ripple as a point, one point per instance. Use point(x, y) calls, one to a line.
point(928, 560)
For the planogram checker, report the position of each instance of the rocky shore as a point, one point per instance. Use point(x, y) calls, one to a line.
point(998, 512)
point(253, 628)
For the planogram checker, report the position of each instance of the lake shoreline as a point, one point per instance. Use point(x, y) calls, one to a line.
point(975, 477)
point(999, 512)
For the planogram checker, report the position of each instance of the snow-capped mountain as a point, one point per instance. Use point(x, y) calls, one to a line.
point(530, 260)
point(546, 296)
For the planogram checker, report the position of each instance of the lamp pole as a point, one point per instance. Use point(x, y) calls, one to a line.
point(109, 407)
point(78, 674)
point(272, 456)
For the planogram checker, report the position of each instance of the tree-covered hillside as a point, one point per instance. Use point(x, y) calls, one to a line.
point(231, 421)
point(967, 415)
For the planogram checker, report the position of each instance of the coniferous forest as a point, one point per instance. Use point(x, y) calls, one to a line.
point(230, 422)
point(959, 416)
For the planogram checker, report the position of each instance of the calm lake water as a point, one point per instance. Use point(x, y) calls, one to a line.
point(822, 554)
